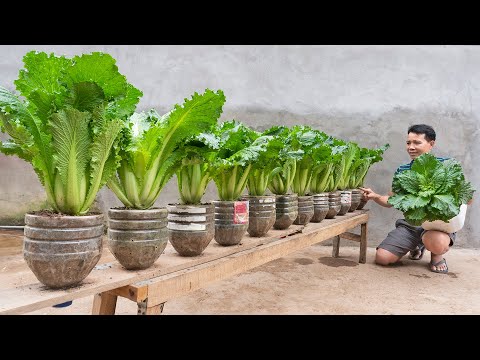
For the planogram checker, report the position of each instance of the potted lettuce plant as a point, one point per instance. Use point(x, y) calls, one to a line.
point(323, 165)
point(306, 139)
point(238, 148)
point(362, 163)
point(350, 152)
point(149, 157)
point(191, 225)
point(262, 214)
point(335, 176)
point(66, 120)
point(432, 193)
point(286, 202)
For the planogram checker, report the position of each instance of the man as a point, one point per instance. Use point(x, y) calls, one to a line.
point(405, 237)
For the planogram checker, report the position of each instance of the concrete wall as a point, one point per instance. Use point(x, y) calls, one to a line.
point(366, 94)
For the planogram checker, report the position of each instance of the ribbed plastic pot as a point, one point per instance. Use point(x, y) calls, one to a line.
point(261, 214)
point(137, 238)
point(231, 221)
point(333, 204)
point(286, 209)
point(356, 198)
point(362, 201)
point(320, 207)
point(305, 210)
point(62, 250)
point(190, 227)
point(345, 201)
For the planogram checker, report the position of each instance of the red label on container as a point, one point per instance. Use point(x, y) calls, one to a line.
point(240, 212)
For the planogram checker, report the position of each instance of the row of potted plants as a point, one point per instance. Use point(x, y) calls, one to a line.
point(74, 120)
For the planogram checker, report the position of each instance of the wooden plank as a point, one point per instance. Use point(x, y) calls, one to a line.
point(20, 291)
point(136, 294)
point(350, 236)
point(336, 246)
point(166, 287)
point(363, 244)
point(144, 308)
point(104, 304)
point(11, 242)
point(154, 310)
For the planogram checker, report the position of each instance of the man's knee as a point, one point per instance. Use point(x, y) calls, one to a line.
point(436, 242)
point(385, 257)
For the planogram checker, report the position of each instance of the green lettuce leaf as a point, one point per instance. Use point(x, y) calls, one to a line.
point(431, 190)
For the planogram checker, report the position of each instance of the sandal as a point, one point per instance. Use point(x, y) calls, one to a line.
point(417, 254)
point(437, 264)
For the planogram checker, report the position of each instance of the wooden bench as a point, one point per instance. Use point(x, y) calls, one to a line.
point(151, 295)
point(173, 275)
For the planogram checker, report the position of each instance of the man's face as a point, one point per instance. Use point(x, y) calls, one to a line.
point(417, 145)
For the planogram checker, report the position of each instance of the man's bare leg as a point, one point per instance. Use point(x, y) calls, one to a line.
point(438, 243)
point(385, 257)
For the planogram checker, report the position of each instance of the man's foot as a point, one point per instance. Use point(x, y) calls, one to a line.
point(417, 254)
point(439, 266)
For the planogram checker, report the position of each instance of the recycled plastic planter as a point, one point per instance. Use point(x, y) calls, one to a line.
point(333, 204)
point(320, 207)
point(137, 238)
point(286, 208)
point(345, 201)
point(261, 214)
point(362, 202)
point(305, 210)
point(231, 221)
point(62, 250)
point(356, 199)
point(190, 227)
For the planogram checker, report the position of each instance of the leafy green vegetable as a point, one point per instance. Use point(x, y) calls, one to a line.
point(308, 140)
point(330, 179)
point(341, 165)
point(195, 171)
point(285, 163)
point(239, 148)
point(149, 156)
point(265, 167)
point(66, 122)
point(361, 165)
point(350, 155)
point(431, 190)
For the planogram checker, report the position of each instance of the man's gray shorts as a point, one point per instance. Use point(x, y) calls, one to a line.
point(405, 238)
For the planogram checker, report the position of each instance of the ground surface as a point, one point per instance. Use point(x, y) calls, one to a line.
point(312, 282)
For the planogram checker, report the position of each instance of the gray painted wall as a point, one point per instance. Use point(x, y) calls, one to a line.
point(366, 94)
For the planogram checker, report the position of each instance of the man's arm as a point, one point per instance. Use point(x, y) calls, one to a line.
point(369, 194)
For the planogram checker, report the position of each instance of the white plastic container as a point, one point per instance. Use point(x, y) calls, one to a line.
point(453, 225)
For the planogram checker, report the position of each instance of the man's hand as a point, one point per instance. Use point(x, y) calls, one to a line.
point(369, 194)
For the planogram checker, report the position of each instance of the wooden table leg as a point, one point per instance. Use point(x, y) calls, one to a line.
point(144, 309)
point(363, 244)
point(336, 246)
point(104, 304)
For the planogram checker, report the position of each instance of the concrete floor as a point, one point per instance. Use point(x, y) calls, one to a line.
point(310, 281)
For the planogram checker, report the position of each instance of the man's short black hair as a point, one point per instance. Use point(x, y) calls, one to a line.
point(427, 130)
